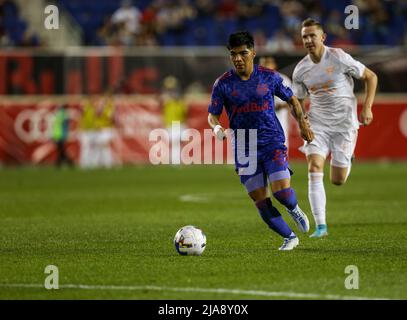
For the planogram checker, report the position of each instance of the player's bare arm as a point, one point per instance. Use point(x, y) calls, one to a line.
point(213, 120)
point(217, 128)
point(302, 103)
point(370, 79)
point(280, 106)
point(302, 119)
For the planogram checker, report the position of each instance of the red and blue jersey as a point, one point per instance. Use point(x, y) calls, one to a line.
point(249, 104)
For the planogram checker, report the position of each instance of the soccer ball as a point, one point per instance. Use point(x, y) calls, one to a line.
point(190, 241)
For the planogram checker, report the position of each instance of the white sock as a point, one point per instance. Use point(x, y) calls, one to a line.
point(317, 197)
point(348, 172)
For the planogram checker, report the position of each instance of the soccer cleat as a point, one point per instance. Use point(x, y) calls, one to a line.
point(321, 231)
point(289, 243)
point(300, 218)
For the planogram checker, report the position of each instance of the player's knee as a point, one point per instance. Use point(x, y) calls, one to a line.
point(315, 167)
point(253, 197)
point(258, 195)
point(338, 181)
point(338, 176)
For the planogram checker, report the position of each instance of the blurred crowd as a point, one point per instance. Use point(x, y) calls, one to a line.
point(274, 23)
point(14, 30)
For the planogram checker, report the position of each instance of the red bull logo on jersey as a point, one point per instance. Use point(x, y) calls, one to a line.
point(250, 107)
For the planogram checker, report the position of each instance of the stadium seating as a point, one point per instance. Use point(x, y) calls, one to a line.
point(12, 24)
point(212, 30)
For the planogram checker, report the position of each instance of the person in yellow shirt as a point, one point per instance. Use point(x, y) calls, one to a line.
point(88, 134)
point(105, 123)
point(174, 114)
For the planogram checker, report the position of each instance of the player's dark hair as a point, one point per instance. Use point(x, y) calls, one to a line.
point(311, 22)
point(240, 38)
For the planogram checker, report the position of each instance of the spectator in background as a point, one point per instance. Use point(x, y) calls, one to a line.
point(8, 7)
point(281, 107)
point(146, 38)
point(105, 123)
point(334, 26)
point(260, 39)
point(172, 17)
point(88, 135)
point(4, 39)
point(313, 8)
point(148, 33)
point(291, 12)
point(174, 111)
point(60, 131)
point(105, 34)
point(13, 29)
point(195, 88)
point(343, 39)
point(205, 8)
point(377, 19)
point(249, 9)
point(5, 7)
point(227, 9)
point(30, 39)
point(127, 21)
point(280, 42)
point(338, 35)
point(97, 132)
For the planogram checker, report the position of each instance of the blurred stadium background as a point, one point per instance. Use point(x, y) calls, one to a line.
point(96, 51)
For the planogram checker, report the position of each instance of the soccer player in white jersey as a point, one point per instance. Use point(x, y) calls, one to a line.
point(325, 74)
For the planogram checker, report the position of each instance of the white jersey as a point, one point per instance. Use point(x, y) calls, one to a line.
point(330, 86)
point(282, 114)
point(286, 83)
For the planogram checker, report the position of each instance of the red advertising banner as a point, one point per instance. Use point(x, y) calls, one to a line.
point(25, 132)
point(384, 139)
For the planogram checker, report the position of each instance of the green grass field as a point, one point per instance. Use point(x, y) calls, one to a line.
point(112, 232)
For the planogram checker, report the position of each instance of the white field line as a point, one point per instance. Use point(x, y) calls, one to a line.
point(194, 198)
point(207, 197)
point(296, 295)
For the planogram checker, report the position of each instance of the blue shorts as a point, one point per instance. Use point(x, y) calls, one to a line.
point(272, 165)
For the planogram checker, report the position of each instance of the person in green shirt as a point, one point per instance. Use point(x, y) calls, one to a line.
point(60, 131)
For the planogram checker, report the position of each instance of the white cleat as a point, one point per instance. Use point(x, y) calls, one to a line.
point(289, 243)
point(300, 218)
